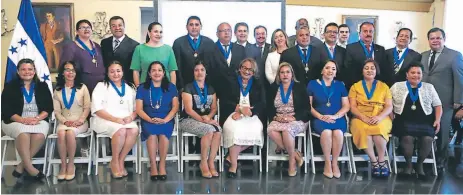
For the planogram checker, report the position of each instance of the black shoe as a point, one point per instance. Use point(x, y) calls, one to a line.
point(231, 174)
point(162, 177)
point(37, 177)
point(154, 177)
point(16, 174)
point(226, 162)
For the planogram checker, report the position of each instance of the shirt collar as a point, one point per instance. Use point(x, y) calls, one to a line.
point(303, 47)
point(328, 46)
point(397, 48)
point(120, 39)
point(192, 38)
point(438, 51)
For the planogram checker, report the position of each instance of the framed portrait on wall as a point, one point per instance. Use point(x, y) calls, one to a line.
point(56, 25)
point(354, 22)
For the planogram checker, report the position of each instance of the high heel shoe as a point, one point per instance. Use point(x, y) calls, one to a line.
point(206, 174)
point(61, 177)
point(337, 175)
point(72, 176)
point(384, 169)
point(16, 174)
point(162, 177)
point(292, 173)
point(116, 175)
point(214, 173)
point(328, 175)
point(231, 174)
point(37, 177)
point(376, 172)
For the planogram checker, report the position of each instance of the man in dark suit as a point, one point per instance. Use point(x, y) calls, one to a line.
point(305, 59)
point(362, 50)
point(313, 40)
point(189, 48)
point(400, 57)
point(443, 67)
point(260, 33)
point(241, 34)
point(224, 60)
point(119, 47)
point(332, 50)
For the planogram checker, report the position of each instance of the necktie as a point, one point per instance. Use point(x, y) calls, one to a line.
point(225, 47)
point(396, 66)
point(305, 53)
point(332, 50)
point(368, 47)
point(195, 40)
point(433, 58)
point(116, 45)
point(261, 50)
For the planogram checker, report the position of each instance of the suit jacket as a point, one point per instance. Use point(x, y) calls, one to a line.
point(184, 55)
point(313, 41)
point(401, 74)
point(13, 101)
point(220, 73)
point(316, 60)
point(122, 54)
point(231, 98)
point(355, 57)
point(261, 63)
point(339, 57)
point(446, 75)
point(300, 101)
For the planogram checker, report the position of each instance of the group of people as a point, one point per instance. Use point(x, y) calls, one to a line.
point(276, 89)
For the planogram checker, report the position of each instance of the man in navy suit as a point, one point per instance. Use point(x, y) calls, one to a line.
point(241, 34)
point(358, 52)
point(400, 57)
point(332, 50)
point(119, 47)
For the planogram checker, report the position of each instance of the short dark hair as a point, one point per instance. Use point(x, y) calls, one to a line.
point(435, 30)
point(343, 26)
point(330, 24)
point(241, 24)
point(259, 26)
point(411, 33)
point(60, 80)
point(49, 11)
point(117, 18)
point(365, 23)
point(193, 18)
point(164, 82)
point(83, 21)
point(374, 63)
point(35, 79)
point(417, 64)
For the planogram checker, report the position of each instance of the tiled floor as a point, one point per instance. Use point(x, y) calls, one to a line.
point(249, 181)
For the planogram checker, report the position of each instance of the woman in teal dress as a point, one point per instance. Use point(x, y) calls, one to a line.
point(153, 50)
point(329, 102)
point(157, 104)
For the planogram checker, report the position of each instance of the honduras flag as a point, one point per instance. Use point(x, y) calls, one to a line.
point(27, 43)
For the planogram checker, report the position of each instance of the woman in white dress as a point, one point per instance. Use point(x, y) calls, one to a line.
point(113, 111)
point(245, 101)
point(26, 106)
point(279, 44)
point(71, 103)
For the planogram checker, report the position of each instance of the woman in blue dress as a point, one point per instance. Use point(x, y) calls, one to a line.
point(157, 104)
point(329, 103)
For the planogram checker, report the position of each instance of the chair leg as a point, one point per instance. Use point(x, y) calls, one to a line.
point(434, 167)
point(97, 154)
point(394, 154)
point(348, 154)
point(311, 153)
point(305, 152)
point(45, 156)
point(349, 144)
point(182, 153)
point(266, 160)
point(5, 146)
point(260, 158)
point(51, 155)
point(92, 150)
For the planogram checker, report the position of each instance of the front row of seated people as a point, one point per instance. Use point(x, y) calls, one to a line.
point(411, 109)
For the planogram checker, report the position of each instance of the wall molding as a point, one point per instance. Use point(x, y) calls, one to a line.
point(367, 4)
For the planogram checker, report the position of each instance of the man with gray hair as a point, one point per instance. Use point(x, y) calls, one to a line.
point(313, 40)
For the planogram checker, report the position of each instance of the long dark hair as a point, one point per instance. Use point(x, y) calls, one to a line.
point(150, 27)
point(106, 77)
point(60, 80)
point(164, 83)
point(35, 79)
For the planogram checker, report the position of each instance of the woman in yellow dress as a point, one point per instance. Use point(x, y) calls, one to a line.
point(371, 104)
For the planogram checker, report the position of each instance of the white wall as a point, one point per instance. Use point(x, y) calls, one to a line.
point(452, 24)
point(419, 22)
point(212, 14)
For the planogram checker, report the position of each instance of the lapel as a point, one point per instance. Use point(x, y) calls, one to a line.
point(121, 44)
point(222, 57)
point(408, 59)
point(440, 59)
point(338, 56)
point(189, 48)
point(425, 60)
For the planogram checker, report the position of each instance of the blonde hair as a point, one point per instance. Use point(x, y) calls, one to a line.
point(283, 64)
point(274, 46)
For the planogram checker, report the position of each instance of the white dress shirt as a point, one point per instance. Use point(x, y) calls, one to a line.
point(119, 39)
point(271, 66)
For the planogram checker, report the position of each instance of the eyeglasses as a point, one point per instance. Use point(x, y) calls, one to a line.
point(85, 28)
point(332, 32)
point(225, 30)
point(247, 69)
point(436, 38)
point(68, 70)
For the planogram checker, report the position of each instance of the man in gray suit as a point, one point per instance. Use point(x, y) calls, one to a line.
point(443, 67)
point(313, 40)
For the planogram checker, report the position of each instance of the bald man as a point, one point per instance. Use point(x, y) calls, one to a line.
point(313, 40)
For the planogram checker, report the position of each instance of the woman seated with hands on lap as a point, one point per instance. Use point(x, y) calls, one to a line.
point(200, 103)
point(157, 104)
point(329, 103)
point(289, 112)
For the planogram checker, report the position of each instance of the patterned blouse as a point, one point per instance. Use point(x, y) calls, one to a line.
point(427, 95)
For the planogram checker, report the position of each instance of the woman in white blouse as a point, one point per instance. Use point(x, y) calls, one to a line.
point(113, 111)
point(414, 103)
point(279, 44)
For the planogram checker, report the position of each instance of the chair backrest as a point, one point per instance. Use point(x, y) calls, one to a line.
point(216, 116)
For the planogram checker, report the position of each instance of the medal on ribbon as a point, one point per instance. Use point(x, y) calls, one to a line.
point(365, 88)
point(28, 95)
point(67, 104)
point(328, 91)
point(91, 52)
point(194, 46)
point(285, 97)
point(305, 59)
point(202, 96)
point(121, 93)
point(369, 54)
point(155, 92)
point(226, 54)
point(245, 92)
point(331, 57)
point(413, 96)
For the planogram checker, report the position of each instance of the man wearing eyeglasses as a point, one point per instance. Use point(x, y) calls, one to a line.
point(189, 48)
point(443, 67)
point(119, 47)
point(332, 50)
point(344, 33)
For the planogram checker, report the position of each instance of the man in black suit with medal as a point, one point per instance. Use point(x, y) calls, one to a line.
point(189, 48)
point(306, 60)
point(358, 52)
point(334, 51)
point(119, 47)
point(225, 60)
point(400, 57)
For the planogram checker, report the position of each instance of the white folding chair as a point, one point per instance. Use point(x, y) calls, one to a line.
point(302, 141)
point(364, 157)
point(396, 158)
point(101, 143)
point(344, 157)
point(52, 138)
point(185, 156)
point(144, 158)
point(35, 160)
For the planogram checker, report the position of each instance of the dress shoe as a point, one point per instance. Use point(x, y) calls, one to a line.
point(328, 175)
point(37, 177)
point(231, 174)
point(154, 177)
point(162, 177)
point(61, 177)
point(16, 174)
point(337, 175)
point(71, 176)
point(292, 173)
